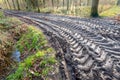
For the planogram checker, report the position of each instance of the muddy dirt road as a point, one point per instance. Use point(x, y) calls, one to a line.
point(89, 48)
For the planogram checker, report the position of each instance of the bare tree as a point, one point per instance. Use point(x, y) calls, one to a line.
point(38, 5)
point(57, 4)
point(80, 2)
point(13, 4)
point(68, 5)
point(8, 4)
point(44, 3)
point(52, 3)
point(71, 4)
point(18, 6)
point(94, 8)
point(63, 3)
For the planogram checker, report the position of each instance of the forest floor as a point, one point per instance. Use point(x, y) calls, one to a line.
point(25, 53)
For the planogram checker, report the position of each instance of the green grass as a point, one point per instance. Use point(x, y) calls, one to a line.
point(6, 34)
point(27, 63)
point(111, 12)
point(33, 40)
point(9, 33)
point(29, 40)
point(2, 15)
point(82, 11)
point(8, 22)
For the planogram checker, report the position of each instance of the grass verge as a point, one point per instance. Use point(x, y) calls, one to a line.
point(37, 57)
point(10, 31)
point(111, 12)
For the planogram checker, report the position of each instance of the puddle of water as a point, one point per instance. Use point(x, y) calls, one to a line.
point(16, 55)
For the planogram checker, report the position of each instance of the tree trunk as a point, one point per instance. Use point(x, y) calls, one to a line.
point(68, 5)
point(63, 3)
point(38, 5)
point(87, 2)
point(94, 8)
point(71, 5)
point(23, 4)
point(118, 3)
point(26, 4)
point(13, 4)
point(18, 6)
point(57, 4)
point(29, 6)
point(44, 3)
point(6, 7)
point(80, 2)
point(9, 4)
point(52, 3)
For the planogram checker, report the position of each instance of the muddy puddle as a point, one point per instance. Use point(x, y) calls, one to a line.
point(16, 55)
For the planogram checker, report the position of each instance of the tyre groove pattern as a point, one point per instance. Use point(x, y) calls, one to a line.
point(94, 44)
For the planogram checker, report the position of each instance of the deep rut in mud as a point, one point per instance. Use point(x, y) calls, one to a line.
point(88, 49)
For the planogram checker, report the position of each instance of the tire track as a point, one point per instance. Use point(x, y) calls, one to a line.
point(94, 46)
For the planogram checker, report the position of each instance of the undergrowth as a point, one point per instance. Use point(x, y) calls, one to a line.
point(34, 43)
point(23, 68)
point(32, 40)
point(33, 46)
point(10, 31)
